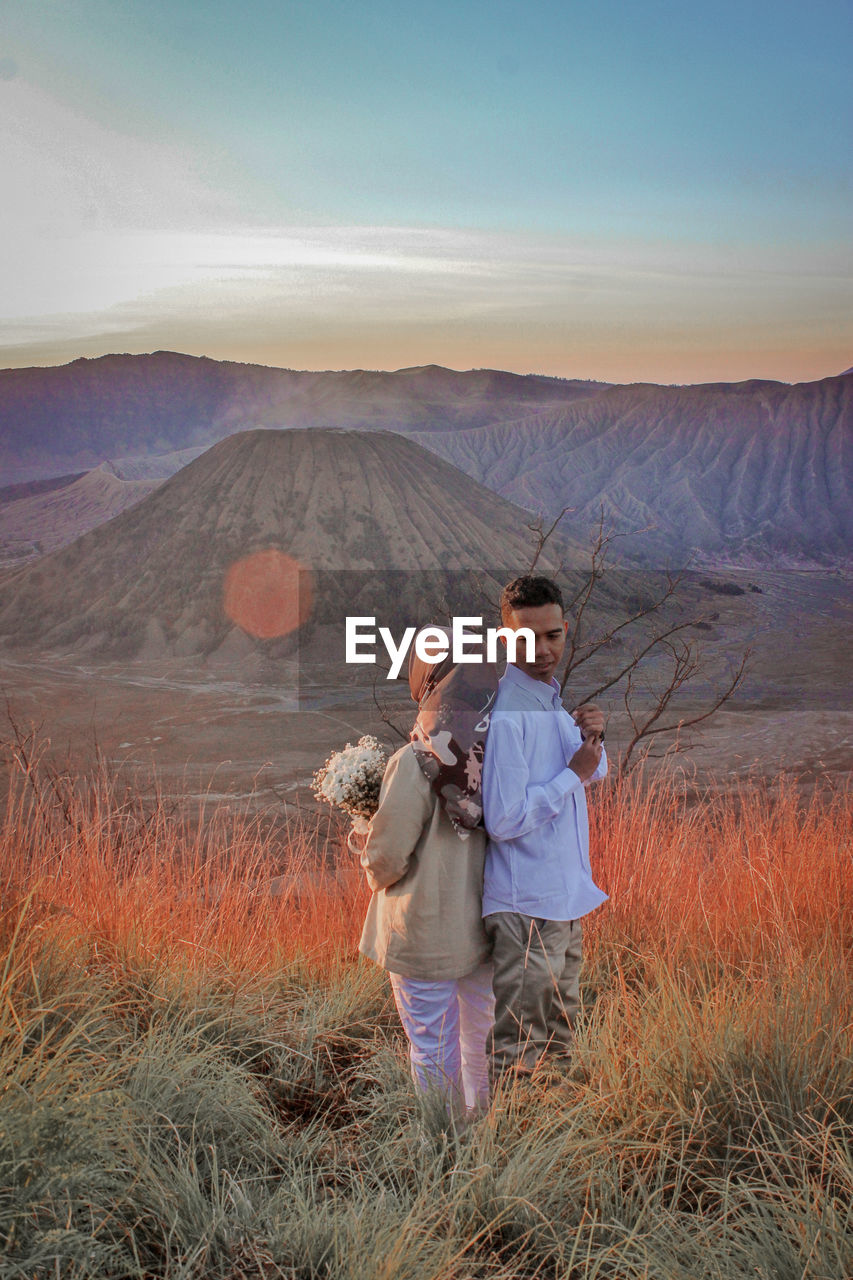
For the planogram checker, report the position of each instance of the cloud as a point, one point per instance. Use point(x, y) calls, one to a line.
point(114, 242)
point(416, 271)
point(76, 196)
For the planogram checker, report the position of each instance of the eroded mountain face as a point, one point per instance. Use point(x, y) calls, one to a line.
point(757, 474)
point(753, 474)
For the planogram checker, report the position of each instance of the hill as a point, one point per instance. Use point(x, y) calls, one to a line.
point(44, 520)
point(381, 526)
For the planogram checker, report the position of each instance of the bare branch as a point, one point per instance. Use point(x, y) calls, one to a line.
point(384, 713)
point(736, 679)
point(577, 607)
point(660, 638)
point(686, 664)
point(542, 536)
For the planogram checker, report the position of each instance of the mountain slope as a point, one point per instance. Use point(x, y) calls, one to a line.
point(741, 474)
point(44, 521)
point(745, 474)
point(352, 507)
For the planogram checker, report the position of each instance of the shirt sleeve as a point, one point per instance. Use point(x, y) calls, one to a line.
point(512, 805)
point(405, 807)
point(600, 770)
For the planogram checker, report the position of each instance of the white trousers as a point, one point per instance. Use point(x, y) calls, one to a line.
point(447, 1025)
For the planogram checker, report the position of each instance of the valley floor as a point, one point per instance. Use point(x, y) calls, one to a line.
point(216, 731)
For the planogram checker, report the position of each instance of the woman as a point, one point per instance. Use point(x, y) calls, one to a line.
point(424, 862)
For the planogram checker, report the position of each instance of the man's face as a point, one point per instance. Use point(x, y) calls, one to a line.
point(549, 627)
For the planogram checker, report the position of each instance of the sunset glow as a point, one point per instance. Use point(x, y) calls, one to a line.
point(618, 194)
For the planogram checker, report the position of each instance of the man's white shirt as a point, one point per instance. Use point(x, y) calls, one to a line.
point(537, 857)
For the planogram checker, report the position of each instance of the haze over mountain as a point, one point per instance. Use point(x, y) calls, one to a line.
point(352, 507)
point(746, 474)
point(76, 416)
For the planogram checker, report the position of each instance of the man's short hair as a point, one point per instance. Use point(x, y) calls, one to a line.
point(529, 592)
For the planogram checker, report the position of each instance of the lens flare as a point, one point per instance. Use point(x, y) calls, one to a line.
point(268, 594)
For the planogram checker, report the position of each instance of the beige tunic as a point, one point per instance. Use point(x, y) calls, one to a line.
point(424, 919)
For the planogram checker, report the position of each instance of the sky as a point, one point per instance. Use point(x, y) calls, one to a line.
point(627, 191)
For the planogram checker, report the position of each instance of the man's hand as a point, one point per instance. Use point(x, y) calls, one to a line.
point(590, 720)
point(585, 760)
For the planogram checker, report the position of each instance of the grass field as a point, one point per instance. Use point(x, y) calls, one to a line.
point(200, 1077)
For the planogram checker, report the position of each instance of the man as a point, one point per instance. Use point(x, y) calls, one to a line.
point(538, 883)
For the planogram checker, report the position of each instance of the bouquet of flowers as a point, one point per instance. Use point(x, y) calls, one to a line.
point(350, 780)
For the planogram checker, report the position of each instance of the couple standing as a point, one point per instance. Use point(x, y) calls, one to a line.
point(480, 933)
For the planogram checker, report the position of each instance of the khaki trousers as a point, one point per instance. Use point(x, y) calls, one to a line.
point(536, 974)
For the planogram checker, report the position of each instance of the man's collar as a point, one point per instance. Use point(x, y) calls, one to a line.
point(544, 693)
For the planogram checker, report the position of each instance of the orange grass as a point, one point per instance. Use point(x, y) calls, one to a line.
point(89, 864)
point(757, 881)
point(708, 1099)
point(753, 883)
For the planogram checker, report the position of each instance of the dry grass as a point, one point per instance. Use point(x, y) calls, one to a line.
point(201, 1077)
point(220, 888)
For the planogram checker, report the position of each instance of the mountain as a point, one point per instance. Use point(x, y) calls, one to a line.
point(382, 527)
point(76, 416)
point(45, 519)
point(746, 474)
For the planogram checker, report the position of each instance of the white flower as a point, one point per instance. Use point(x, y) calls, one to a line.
point(350, 779)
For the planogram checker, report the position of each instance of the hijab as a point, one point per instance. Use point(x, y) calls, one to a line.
point(454, 708)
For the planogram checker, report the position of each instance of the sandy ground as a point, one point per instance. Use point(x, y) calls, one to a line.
point(203, 732)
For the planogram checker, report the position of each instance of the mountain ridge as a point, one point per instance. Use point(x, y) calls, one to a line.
point(73, 417)
point(743, 474)
point(737, 474)
point(46, 521)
